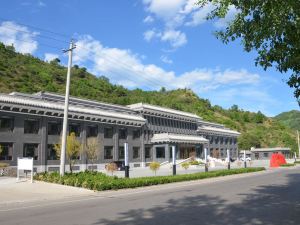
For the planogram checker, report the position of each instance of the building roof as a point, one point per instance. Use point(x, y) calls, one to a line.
point(142, 107)
point(218, 130)
point(270, 149)
point(177, 138)
point(36, 103)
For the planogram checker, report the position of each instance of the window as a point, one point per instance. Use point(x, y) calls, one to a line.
point(6, 153)
point(92, 131)
point(136, 152)
point(6, 124)
point(160, 152)
point(123, 133)
point(108, 132)
point(31, 126)
point(136, 134)
point(54, 128)
point(211, 139)
point(216, 140)
point(108, 152)
point(221, 140)
point(31, 150)
point(147, 152)
point(51, 152)
point(74, 128)
point(266, 155)
point(121, 152)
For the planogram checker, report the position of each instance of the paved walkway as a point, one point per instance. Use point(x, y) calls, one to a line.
point(13, 192)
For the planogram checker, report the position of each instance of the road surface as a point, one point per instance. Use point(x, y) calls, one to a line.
point(267, 198)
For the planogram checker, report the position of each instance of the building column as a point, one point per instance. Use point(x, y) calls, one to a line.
point(142, 149)
point(116, 145)
point(44, 143)
point(84, 159)
point(167, 152)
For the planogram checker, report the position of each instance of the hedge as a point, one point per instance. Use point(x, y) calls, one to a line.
point(99, 181)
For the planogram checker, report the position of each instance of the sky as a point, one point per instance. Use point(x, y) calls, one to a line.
point(148, 44)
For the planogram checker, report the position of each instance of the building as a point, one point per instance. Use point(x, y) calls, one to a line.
point(220, 139)
point(31, 124)
point(266, 153)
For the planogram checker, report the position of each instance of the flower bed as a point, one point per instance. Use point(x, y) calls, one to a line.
point(99, 181)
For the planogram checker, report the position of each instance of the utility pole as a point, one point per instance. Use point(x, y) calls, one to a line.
point(298, 143)
point(66, 109)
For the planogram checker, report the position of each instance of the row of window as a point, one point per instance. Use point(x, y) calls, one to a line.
point(31, 150)
point(158, 121)
point(31, 126)
point(221, 140)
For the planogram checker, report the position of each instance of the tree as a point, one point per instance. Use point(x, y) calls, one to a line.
point(270, 27)
point(185, 165)
point(154, 166)
point(73, 149)
point(111, 167)
point(92, 149)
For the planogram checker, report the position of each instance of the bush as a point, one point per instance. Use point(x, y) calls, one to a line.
point(185, 165)
point(4, 165)
point(154, 166)
point(196, 163)
point(100, 182)
point(287, 165)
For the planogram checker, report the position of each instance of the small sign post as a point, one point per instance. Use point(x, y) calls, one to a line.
point(174, 159)
point(228, 158)
point(25, 164)
point(245, 163)
point(126, 160)
point(205, 159)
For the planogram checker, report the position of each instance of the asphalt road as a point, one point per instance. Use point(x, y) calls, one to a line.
point(267, 198)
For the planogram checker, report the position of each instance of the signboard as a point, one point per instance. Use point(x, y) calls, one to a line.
point(25, 164)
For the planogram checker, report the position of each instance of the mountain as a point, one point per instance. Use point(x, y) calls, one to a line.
point(26, 73)
point(291, 119)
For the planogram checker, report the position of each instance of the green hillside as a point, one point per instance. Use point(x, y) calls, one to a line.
point(291, 119)
point(25, 73)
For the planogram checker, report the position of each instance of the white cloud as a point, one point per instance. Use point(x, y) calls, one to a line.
point(176, 38)
point(164, 9)
point(237, 77)
point(165, 59)
point(148, 19)
point(199, 15)
point(126, 68)
point(150, 34)
point(18, 36)
point(222, 23)
point(49, 57)
point(176, 13)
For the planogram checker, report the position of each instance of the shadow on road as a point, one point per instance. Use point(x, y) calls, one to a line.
point(267, 205)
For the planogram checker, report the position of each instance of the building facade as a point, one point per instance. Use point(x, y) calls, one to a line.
point(266, 153)
point(30, 126)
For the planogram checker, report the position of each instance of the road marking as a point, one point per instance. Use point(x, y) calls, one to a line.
point(147, 189)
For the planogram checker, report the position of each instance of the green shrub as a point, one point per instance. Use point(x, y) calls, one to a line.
point(4, 165)
point(287, 165)
point(154, 166)
point(185, 165)
point(196, 163)
point(101, 182)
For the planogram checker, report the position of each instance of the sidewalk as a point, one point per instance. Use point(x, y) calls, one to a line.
point(13, 192)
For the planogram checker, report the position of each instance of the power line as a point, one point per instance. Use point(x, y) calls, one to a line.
point(38, 28)
point(40, 35)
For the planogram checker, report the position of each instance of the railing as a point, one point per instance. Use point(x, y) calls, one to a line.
point(184, 160)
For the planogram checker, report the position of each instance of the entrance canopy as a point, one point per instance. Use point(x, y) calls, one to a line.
point(177, 138)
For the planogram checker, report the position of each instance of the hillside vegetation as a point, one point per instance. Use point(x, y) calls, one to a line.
point(25, 73)
point(291, 119)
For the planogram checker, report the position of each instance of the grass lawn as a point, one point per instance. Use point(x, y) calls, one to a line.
point(99, 181)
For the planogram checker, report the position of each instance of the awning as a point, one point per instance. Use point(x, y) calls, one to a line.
point(177, 138)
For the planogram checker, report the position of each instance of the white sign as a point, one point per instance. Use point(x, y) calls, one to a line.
point(25, 164)
point(126, 154)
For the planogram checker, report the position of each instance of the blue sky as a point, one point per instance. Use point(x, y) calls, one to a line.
point(148, 44)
